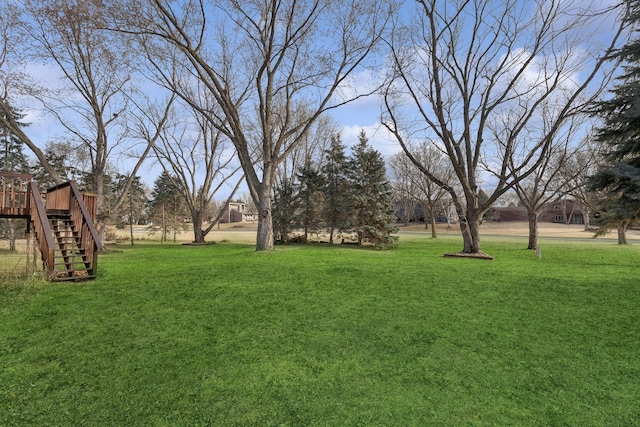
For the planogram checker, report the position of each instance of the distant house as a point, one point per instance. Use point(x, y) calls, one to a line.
point(561, 212)
point(510, 213)
point(237, 212)
point(419, 212)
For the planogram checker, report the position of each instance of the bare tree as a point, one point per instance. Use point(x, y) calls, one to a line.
point(199, 164)
point(94, 104)
point(272, 66)
point(576, 172)
point(312, 147)
point(551, 179)
point(431, 197)
point(464, 69)
point(13, 81)
point(404, 192)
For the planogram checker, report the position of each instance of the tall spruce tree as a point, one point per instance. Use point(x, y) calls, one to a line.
point(14, 160)
point(619, 177)
point(309, 199)
point(63, 157)
point(284, 210)
point(374, 214)
point(12, 155)
point(166, 208)
point(132, 210)
point(337, 210)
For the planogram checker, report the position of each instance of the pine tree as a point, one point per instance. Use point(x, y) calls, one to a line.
point(12, 155)
point(166, 207)
point(132, 210)
point(14, 160)
point(619, 177)
point(309, 199)
point(65, 159)
point(374, 214)
point(284, 210)
point(337, 210)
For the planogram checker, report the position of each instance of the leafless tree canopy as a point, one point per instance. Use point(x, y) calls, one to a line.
point(200, 161)
point(94, 99)
point(495, 82)
point(273, 67)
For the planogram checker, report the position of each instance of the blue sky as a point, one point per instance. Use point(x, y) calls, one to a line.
point(361, 114)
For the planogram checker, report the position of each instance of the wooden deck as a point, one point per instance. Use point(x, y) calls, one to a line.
point(61, 220)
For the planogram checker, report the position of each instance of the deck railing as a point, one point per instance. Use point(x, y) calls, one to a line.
point(81, 207)
point(20, 197)
point(42, 228)
point(14, 194)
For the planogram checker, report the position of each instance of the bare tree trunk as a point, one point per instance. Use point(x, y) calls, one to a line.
point(163, 237)
point(434, 232)
point(131, 229)
point(586, 216)
point(331, 236)
point(198, 233)
point(533, 229)
point(622, 233)
point(264, 238)
point(469, 227)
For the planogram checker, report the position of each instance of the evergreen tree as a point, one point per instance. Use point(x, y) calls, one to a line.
point(12, 155)
point(374, 214)
point(337, 210)
point(619, 177)
point(284, 210)
point(166, 208)
point(132, 210)
point(14, 160)
point(65, 159)
point(309, 199)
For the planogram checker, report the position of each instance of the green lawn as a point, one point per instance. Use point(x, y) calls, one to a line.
point(222, 335)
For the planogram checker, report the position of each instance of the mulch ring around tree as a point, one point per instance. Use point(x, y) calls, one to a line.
point(477, 255)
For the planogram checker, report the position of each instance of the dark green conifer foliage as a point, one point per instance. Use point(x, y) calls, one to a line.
point(13, 160)
point(374, 214)
point(132, 211)
point(12, 155)
point(619, 177)
point(166, 207)
point(337, 211)
point(309, 198)
point(63, 157)
point(284, 210)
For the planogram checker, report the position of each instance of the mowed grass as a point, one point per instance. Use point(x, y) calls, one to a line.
point(314, 335)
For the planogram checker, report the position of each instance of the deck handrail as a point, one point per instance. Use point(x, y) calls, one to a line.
point(14, 197)
point(42, 228)
point(82, 218)
point(86, 215)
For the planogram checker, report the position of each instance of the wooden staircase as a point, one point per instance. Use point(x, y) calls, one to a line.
point(63, 226)
point(70, 260)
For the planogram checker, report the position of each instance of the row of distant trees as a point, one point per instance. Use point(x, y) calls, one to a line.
point(565, 174)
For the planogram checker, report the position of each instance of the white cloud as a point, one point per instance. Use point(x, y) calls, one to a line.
point(358, 84)
point(379, 138)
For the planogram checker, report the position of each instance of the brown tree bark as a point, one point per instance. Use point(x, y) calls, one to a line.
point(533, 229)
